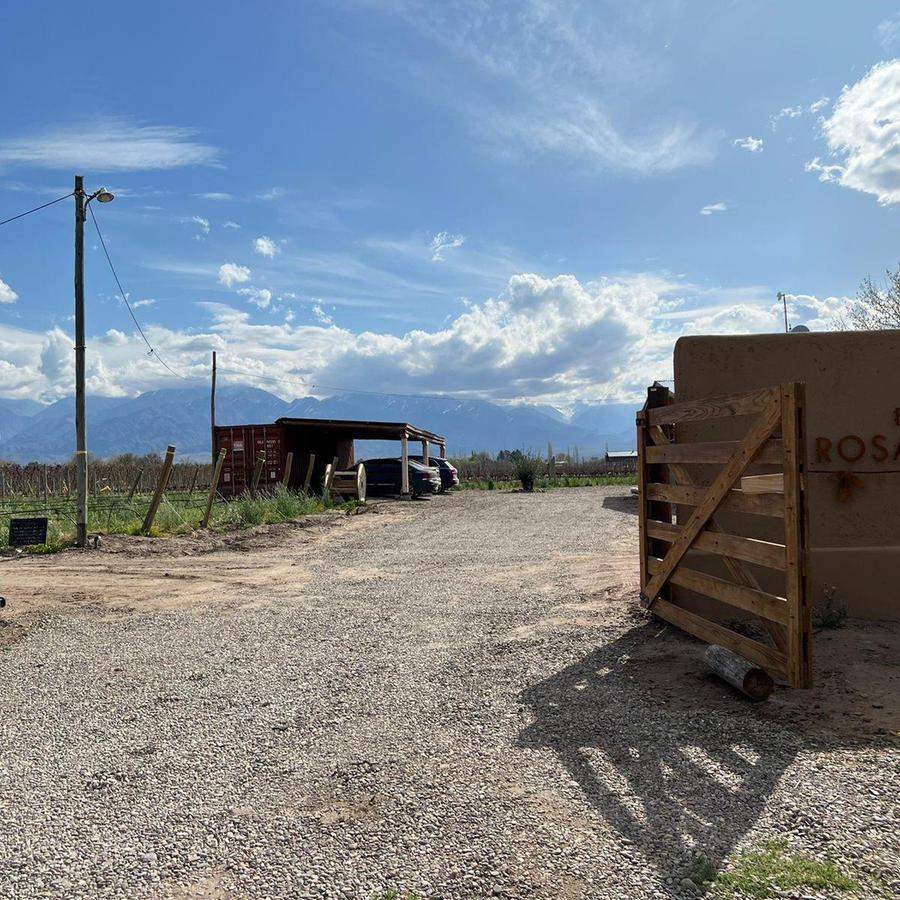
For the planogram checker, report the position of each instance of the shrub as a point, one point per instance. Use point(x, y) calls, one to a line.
point(526, 469)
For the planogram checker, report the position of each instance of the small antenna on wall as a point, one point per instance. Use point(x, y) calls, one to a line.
point(783, 298)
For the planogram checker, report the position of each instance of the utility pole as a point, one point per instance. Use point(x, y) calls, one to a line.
point(81, 475)
point(783, 299)
point(212, 410)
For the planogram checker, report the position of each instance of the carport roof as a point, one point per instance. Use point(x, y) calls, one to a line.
point(365, 431)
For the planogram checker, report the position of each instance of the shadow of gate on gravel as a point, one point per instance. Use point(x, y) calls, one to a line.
point(674, 761)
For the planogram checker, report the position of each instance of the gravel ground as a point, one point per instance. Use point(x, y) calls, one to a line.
point(458, 698)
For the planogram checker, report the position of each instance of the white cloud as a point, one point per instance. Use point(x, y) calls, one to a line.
point(272, 193)
point(231, 274)
point(7, 294)
point(541, 339)
point(265, 246)
point(322, 317)
point(230, 224)
point(794, 112)
point(137, 304)
point(863, 136)
point(215, 195)
point(536, 78)
point(751, 144)
point(203, 223)
point(444, 241)
point(261, 297)
point(108, 145)
point(888, 31)
point(711, 208)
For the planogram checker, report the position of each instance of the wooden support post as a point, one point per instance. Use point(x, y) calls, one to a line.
point(404, 467)
point(2, 486)
point(161, 485)
point(204, 522)
point(46, 488)
point(740, 673)
point(137, 481)
point(257, 473)
point(288, 463)
point(212, 408)
point(309, 472)
point(425, 457)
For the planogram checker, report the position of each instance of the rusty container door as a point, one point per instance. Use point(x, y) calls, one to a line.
point(267, 440)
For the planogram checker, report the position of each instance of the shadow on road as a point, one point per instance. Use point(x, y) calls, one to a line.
point(672, 759)
point(628, 504)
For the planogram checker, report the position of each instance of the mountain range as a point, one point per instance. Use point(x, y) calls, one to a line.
point(180, 416)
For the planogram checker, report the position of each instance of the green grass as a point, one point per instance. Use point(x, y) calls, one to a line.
point(544, 483)
point(118, 515)
point(764, 873)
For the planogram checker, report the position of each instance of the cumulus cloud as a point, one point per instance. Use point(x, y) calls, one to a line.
point(261, 297)
point(109, 145)
point(265, 246)
point(322, 317)
point(231, 273)
point(711, 208)
point(7, 294)
point(203, 223)
point(539, 339)
point(863, 136)
point(444, 241)
point(794, 112)
point(137, 304)
point(751, 144)
point(230, 224)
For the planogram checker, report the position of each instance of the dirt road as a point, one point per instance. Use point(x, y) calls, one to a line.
point(457, 698)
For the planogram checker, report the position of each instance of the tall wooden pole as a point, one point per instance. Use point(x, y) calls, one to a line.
point(212, 409)
point(81, 474)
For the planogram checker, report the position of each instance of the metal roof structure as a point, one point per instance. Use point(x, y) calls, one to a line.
point(365, 430)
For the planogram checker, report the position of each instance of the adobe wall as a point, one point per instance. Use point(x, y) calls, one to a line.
point(853, 426)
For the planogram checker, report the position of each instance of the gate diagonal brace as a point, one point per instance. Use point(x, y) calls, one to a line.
point(746, 452)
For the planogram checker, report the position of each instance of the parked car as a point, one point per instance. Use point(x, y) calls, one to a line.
point(383, 477)
point(449, 474)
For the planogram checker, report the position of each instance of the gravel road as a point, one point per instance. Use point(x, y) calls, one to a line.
point(458, 698)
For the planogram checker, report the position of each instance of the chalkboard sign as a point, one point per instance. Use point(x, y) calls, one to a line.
point(25, 532)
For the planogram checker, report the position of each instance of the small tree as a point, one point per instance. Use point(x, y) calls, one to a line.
point(875, 307)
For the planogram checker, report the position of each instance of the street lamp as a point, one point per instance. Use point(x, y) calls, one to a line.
point(81, 479)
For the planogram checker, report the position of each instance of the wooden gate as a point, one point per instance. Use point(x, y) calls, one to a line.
point(701, 480)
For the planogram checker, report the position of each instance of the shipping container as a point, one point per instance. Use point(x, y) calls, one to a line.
point(243, 444)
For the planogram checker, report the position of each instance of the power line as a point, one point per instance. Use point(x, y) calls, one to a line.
point(124, 296)
point(30, 211)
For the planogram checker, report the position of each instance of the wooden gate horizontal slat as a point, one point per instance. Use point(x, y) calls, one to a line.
point(763, 553)
point(735, 501)
point(772, 452)
point(713, 407)
point(713, 633)
point(767, 606)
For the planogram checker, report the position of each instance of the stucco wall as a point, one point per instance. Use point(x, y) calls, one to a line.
point(852, 392)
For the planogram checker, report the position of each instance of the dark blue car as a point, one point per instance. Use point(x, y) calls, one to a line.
point(448, 473)
point(383, 477)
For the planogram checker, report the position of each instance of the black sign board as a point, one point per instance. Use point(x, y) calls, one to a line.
point(24, 532)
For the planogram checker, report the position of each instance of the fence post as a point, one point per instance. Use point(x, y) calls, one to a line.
point(309, 471)
point(2, 485)
point(136, 482)
point(160, 489)
point(288, 462)
point(204, 522)
point(257, 473)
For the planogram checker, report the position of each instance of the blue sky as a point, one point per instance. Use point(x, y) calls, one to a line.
point(515, 200)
